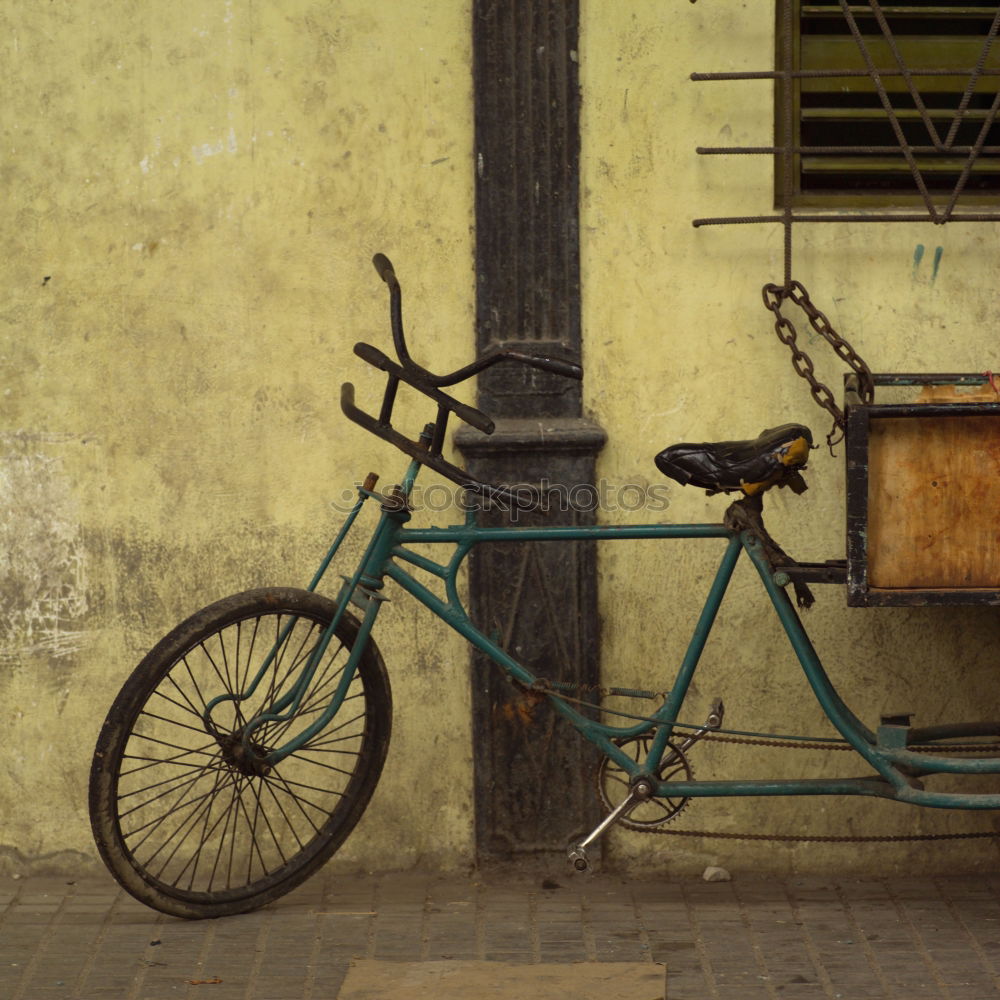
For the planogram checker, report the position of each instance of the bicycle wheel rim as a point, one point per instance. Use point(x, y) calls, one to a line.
point(190, 823)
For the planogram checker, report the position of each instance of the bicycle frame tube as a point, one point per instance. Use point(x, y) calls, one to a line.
point(390, 552)
point(297, 691)
point(374, 557)
point(465, 536)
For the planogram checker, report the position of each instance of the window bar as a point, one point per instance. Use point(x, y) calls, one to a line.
point(890, 39)
point(748, 220)
point(973, 78)
point(806, 74)
point(889, 110)
point(973, 156)
point(787, 156)
point(836, 150)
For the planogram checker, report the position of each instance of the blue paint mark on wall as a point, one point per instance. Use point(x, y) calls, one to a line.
point(918, 256)
point(938, 253)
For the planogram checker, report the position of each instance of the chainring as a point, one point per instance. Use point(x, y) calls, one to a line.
point(613, 785)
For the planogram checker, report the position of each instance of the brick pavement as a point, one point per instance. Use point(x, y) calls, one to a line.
point(751, 939)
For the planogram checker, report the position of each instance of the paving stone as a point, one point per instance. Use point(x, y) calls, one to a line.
point(936, 938)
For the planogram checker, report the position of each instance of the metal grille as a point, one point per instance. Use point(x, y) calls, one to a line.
point(941, 116)
point(923, 135)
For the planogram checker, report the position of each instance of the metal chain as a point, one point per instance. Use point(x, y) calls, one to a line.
point(774, 296)
point(544, 686)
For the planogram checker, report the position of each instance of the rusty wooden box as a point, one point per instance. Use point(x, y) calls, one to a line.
point(923, 491)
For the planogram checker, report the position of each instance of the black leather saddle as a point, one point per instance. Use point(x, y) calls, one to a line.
point(773, 458)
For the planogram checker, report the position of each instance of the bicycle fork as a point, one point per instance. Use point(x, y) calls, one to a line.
point(641, 790)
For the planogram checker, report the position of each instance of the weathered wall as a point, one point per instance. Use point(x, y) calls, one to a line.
point(192, 194)
point(680, 348)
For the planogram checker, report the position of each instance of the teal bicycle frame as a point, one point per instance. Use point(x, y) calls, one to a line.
point(897, 767)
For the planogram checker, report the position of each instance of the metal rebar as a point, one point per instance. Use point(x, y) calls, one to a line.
point(749, 220)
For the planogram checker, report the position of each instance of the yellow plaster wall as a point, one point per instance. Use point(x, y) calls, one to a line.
point(678, 347)
point(192, 195)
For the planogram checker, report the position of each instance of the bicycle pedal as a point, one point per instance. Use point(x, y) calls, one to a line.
point(577, 856)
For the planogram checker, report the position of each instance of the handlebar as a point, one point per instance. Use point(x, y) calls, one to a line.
point(427, 449)
point(384, 267)
point(568, 369)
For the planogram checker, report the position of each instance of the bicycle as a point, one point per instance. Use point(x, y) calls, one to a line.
point(245, 746)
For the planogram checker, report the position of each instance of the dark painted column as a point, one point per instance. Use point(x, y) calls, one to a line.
point(534, 774)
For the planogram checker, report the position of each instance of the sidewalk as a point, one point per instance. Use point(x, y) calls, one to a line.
point(799, 938)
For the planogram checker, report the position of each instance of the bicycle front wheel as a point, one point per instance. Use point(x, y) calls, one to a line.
point(187, 815)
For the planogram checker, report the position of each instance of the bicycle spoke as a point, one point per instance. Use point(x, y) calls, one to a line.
point(299, 755)
point(238, 708)
point(254, 845)
point(249, 657)
point(156, 784)
point(172, 722)
point(317, 684)
point(164, 743)
point(309, 748)
point(187, 666)
point(284, 815)
point(336, 729)
point(186, 781)
point(206, 835)
point(267, 822)
point(187, 707)
point(311, 788)
point(195, 859)
point(192, 823)
point(275, 729)
point(154, 824)
point(208, 656)
point(297, 799)
point(228, 839)
point(154, 761)
point(299, 661)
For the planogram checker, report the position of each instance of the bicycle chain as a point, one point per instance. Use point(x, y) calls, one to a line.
point(542, 685)
point(829, 838)
point(774, 296)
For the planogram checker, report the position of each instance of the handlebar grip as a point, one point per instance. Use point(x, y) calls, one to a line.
point(568, 369)
point(384, 267)
point(473, 417)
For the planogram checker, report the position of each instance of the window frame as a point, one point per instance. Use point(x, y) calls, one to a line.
point(857, 197)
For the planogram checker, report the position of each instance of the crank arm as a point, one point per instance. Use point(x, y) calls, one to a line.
point(714, 721)
point(577, 853)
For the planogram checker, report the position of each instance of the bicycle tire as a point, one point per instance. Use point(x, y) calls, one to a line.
point(161, 781)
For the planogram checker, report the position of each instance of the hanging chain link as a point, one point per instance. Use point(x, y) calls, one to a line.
point(774, 297)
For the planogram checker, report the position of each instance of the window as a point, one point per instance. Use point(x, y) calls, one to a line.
point(848, 150)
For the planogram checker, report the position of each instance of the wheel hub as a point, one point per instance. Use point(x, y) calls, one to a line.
point(248, 761)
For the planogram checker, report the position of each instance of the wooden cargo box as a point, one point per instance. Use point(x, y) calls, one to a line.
point(923, 491)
